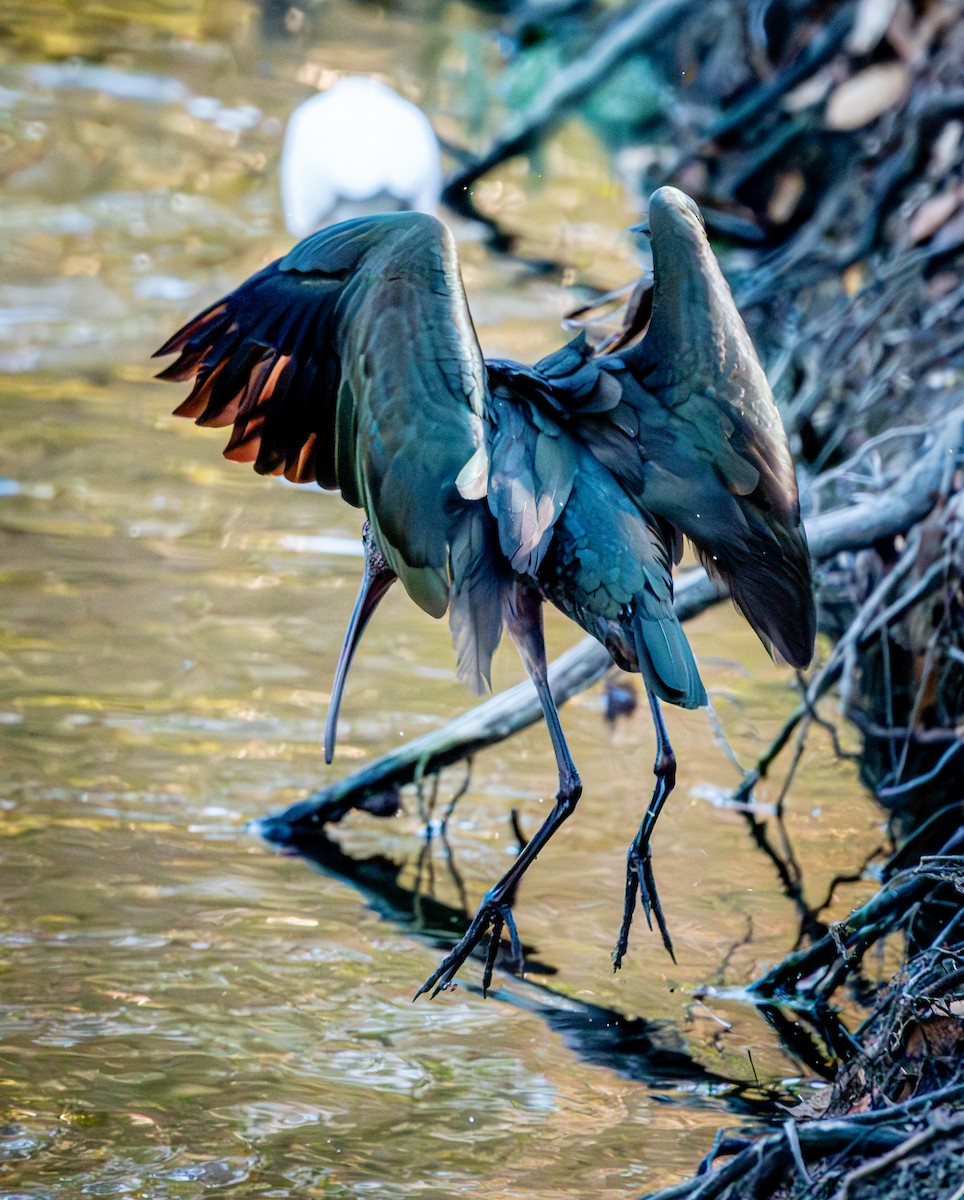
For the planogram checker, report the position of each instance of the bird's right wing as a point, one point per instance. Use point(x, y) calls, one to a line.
point(685, 421)
point(714, 454)
point(352, 361)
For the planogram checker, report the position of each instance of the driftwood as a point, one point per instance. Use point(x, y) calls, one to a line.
point(861, 525)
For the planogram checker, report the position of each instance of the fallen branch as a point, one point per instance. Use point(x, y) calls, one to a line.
point(770, 1161)
point(487, 723)
point(894, 1112)
point(900, 507)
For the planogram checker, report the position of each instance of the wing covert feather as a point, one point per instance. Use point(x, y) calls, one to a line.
point(532, 470)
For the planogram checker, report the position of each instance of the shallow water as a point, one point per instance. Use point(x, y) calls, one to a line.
point(183, 1009)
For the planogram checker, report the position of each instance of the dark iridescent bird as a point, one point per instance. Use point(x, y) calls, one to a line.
point(491, 487)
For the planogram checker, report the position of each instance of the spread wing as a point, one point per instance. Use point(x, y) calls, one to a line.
point(685, 420)
point(720, 467)
point(352, 361)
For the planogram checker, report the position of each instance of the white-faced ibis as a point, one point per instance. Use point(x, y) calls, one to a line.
point(357, 147)
point(492, 487)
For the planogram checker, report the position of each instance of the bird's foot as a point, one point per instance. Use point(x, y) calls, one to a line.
point(641, 883)
point(492, 915)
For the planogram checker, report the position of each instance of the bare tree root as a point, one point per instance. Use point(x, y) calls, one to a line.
point(892, 1125)
point(836, 1155)
point(809, 976)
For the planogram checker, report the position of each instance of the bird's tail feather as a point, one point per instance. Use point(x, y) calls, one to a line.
point(666, 661)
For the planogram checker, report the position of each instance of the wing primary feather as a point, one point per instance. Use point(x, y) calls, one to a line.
point(714, 457)
point(205, 322)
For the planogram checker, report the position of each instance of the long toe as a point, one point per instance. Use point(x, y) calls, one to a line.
point(629, 908)
point(490, 916)
point(649, 898)
point(641, 887)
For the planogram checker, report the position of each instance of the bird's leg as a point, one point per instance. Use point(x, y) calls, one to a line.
point(639, 862)
point(523, 611)
point(376, 581)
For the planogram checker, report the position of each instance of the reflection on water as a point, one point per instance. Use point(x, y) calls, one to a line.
point(184, 1010)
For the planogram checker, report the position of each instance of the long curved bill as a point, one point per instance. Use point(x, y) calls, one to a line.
point(378, 578)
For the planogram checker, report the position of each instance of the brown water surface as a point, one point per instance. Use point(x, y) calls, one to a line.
point(183, 1010)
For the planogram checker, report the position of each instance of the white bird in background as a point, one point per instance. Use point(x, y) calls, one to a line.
point(355, 149)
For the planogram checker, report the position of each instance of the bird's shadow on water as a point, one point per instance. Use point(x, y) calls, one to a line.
point(649, 1052)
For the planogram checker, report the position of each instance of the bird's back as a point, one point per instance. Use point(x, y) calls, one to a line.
point(570, 530)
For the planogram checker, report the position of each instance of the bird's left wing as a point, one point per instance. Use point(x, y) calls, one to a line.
point(353, 361)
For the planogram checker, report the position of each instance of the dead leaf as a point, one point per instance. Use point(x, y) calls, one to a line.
point(812, 91)
point(788, 189)
point(950, 233)
point(946, 151)
point(854, 278)
point(871, 22)
point(935, 1037)
point(932, 215)
point(867, 95)
point(811, 1105)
